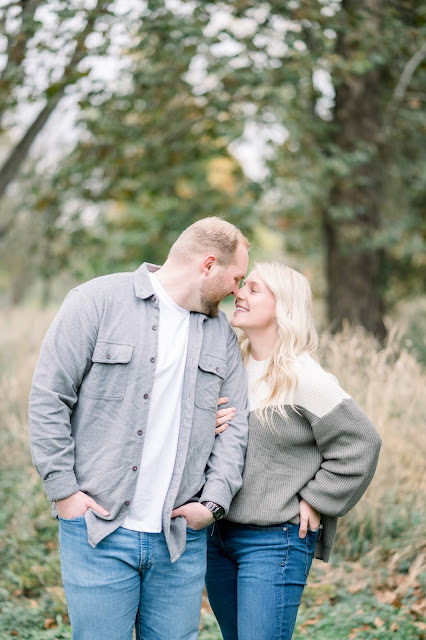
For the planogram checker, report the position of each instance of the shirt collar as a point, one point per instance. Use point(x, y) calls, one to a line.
point(143, 284)
point(144, 288)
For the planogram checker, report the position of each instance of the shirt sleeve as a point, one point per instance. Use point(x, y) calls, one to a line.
point(225, 465)
point(64, 359)
point(347, 440)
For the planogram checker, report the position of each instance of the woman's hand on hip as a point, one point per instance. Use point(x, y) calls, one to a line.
point(309, 518)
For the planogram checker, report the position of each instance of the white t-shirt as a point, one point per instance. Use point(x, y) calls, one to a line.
point(308, 371)
point(162, 432)
point(257, 391)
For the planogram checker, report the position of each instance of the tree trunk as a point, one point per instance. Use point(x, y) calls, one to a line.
point(352, 216)
point(13, 163)
point(17, 50)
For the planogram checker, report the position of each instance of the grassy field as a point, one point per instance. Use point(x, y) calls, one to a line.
point(372, 590)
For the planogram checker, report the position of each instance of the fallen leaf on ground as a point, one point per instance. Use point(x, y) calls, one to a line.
point(356, 588)
point(50, 623)
point(385, 597)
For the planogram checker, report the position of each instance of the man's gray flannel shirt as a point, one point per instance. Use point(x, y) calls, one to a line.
point(90, 399)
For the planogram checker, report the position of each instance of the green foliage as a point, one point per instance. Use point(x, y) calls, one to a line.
point(24, 622)
point(31, 599)
point(153, 152)
point(382, 162)
point(153, 155)
point(411, 315)
point(209, 629)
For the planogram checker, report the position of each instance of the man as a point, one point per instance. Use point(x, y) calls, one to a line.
point(122, 432)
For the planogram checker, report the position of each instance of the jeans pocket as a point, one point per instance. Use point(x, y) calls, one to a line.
point(310, 542)
point(194, 532)
point(286, 548)
point(314, 532)
point(76, 519)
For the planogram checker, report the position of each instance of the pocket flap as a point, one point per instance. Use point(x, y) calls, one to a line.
point(212, 364)
point(112, 353)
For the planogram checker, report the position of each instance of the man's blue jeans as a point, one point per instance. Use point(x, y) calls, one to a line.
point(129, 581)
point(255, 578)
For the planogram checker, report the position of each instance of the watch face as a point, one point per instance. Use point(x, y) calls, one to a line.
point(219, 513)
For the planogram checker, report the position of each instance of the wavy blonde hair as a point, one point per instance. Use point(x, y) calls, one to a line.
point(296, 334)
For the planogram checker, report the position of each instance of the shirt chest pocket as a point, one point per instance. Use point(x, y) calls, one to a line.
point(108, 374)
point(210, 375)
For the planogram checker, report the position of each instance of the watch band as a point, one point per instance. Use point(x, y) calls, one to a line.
point(217, 511)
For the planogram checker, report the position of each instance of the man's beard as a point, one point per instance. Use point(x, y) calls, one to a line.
point(209, 306)
point(210, 298)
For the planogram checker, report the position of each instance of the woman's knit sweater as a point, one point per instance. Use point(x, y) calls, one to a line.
point(325, 452)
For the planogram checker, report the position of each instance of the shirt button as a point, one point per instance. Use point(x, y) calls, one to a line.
point(108, 356)
point(152, 359)
point(146, 396)
point(154, 328)
point(134, 468)
point(217, 369)
point(154, 299)
point(140, 432)
point(127, 503)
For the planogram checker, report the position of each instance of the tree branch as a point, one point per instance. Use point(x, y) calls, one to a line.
point(17, 48)
point(14, 161)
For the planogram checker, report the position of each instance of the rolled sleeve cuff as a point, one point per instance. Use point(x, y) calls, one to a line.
point(218, 494)
point(61, 486)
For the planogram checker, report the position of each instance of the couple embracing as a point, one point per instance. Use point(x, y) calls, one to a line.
point(158, 491)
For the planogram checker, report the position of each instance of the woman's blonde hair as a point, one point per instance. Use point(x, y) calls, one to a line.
point(296, 334)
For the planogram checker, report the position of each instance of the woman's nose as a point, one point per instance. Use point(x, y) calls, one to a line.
point(240, 294)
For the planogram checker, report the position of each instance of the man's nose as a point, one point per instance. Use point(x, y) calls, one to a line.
point(239, 294)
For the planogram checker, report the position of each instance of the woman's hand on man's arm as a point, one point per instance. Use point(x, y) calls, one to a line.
point(223, 416)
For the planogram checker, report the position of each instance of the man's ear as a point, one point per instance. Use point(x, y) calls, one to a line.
point(208, 263)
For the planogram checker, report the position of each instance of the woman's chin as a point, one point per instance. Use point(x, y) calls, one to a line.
point(234, 322)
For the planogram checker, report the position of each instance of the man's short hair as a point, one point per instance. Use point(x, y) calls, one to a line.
point(209, 235)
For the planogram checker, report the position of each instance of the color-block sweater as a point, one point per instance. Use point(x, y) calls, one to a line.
point(325, 452)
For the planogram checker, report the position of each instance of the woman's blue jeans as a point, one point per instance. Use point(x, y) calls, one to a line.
point(255, 578)
point(128, 581)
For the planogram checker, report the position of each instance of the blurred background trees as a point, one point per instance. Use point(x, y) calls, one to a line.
point(122, 123)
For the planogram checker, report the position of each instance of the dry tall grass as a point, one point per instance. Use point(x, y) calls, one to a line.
point(21, 334)
point(389, 384)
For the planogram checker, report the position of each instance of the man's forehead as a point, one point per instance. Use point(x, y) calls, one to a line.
point(242, 259)
point(240, 270)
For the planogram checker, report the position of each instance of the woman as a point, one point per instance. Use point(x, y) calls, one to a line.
point(312, 452)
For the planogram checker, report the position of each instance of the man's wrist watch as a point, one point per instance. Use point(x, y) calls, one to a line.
point(217, 511)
